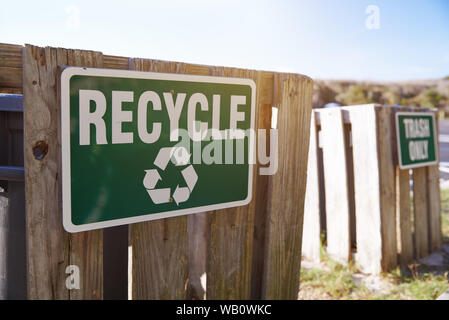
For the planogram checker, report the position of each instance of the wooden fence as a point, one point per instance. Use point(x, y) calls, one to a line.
point(250, 252)
point(359, 198)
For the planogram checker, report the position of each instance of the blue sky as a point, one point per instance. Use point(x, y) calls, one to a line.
point(324, 39)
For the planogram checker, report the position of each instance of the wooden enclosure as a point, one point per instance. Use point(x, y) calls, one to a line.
point(247, 252)
point(359, 198)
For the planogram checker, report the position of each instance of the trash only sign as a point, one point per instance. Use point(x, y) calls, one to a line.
point(416, 139)
point(140, 146)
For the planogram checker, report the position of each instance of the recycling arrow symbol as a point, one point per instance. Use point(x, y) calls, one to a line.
point(163, 195)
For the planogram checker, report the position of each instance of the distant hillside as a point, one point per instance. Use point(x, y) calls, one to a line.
point(432, 93)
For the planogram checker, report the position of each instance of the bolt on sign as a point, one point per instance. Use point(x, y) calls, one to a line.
point(416, 139)
point(140, 146)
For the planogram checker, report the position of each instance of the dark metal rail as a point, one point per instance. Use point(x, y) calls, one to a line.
point(11, 102)
point(12, 173)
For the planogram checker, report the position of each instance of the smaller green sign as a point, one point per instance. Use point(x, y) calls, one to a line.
point(416, 137)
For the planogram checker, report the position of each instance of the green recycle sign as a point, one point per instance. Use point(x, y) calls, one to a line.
point(179, 156)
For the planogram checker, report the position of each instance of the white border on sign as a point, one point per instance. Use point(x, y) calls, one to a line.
point(398, 143)
point(65, 143)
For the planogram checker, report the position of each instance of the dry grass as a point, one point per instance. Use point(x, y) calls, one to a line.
point(416, 281)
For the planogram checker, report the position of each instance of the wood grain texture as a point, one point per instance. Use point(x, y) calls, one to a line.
point(403, 217)
point(10, 77)
point(159, 260)
point(287, 189)
point(336, 184)
point(86, 248)
point(230, 233)
point(433, 196)
point(366, 188)
point(10, 68)
point(50, 248)
point(11, 56)
point(387, 198)
point(311, 236)
point(420, 212)
point(114, 62)
point(265, 95)
point(434, 210)
point(48, 252)
point(160, 248)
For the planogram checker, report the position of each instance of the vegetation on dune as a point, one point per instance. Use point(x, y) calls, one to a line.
point(428, 94)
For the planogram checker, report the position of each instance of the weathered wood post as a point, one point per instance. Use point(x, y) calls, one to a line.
point(293, 95)
point(51, 249)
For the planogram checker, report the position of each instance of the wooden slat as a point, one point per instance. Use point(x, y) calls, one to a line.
point(266, 94)
point(10, 55)
point(159, 259)
point(403, 216)
point(230, 234)
point(385, 136)
point(366, 189)
point(10, 59)
point(10, 68)
point(47, 242)
point(230, 231)
point(433, 195)
point(230, 253)
point(420, 212)
point(159, 248)
point(86, 248)
point(10, 47)
point(114, 62)
point(264, 114)
point(50, 248)
point(336, 184)
point(199, 69)
point(311, 240)
point(287, 189)
point(404, 233)
point(345, 113)
point(10, 77)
